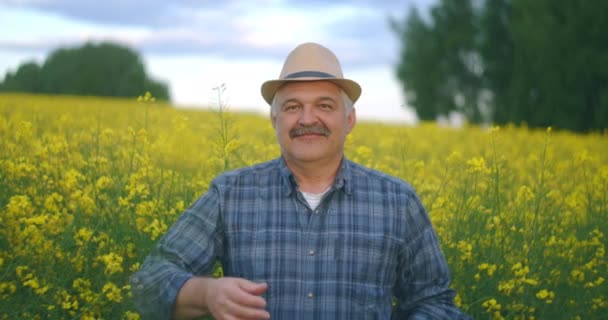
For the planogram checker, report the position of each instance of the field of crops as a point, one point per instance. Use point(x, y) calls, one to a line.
point(87, 186)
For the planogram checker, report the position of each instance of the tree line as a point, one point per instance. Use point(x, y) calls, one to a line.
point(541, 63)
point(104, 69)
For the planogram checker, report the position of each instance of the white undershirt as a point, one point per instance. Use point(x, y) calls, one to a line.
point(313, 199)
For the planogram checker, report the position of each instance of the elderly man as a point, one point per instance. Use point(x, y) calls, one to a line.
point(310, 235)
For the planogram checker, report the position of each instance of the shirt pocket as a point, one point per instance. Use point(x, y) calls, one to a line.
point(368, 266)
point(267, 255)
point(241, 259)
point(273, 258)
point(372, 302)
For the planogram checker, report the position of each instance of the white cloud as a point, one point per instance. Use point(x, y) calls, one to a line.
point(197, 45)
point(194, 78)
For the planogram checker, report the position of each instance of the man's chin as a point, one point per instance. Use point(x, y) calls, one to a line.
point(306, 156)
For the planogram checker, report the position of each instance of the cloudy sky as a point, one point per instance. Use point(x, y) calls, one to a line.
point(196, 45)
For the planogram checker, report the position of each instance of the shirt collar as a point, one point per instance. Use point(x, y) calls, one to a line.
point(342, 181)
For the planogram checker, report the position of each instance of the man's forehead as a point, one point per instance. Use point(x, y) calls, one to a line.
point(309, 89)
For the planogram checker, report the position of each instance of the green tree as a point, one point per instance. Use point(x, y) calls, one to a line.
point(496, 49)
point(542, 62)
point(418, 62)
point(440, 66)
point(103, 69)
point(560, 72)
point(26, 78)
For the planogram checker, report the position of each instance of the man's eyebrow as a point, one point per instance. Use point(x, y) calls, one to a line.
point(290, 100)
point(324, 98)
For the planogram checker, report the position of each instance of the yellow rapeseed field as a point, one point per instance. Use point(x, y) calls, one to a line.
point(88, 185)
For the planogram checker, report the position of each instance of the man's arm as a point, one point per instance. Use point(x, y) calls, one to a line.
point(191, 301)
point(422, 287)
point(173, 282)
point(189, 248)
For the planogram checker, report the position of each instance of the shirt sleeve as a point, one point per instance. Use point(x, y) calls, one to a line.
point(190, 247)
point(422, 288)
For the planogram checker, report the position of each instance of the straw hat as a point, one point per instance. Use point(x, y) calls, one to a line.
point(311, 62)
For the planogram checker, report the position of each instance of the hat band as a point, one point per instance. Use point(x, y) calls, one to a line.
point(309, 74)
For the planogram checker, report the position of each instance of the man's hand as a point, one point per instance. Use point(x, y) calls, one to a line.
point(225, 298)
point(236, 298)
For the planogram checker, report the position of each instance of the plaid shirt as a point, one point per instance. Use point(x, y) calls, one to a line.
point(369, 241)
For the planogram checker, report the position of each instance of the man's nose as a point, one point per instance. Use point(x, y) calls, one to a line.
point(308, 116)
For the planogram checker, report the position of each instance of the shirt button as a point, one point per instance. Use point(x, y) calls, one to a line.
point(316, 211)
point(310, 295)
point(311, 252)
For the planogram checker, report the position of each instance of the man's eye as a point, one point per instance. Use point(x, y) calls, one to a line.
point(290, 107)
point(325, 106)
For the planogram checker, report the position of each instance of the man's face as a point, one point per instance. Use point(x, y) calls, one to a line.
point(311, 121)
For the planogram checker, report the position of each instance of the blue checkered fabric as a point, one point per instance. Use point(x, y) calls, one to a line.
point(369, 241)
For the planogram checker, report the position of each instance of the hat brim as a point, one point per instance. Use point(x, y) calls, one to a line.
point(350, 87)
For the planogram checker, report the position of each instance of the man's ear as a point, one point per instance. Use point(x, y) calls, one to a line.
point(351, 120)
point(273, 119)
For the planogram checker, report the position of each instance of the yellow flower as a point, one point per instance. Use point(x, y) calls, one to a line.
point(130, 315)
point(594, 283)
point(231, 146)
point(478, 164)
point(112, 292)
point(491, 305)
point(490, 268)
point(7, 289)
point(524, 194)
point(506, 287)
point(466, 250)
point(458, 300)
point(155, 229)
point(146, 98)
point(113, 263)
point(577, 275)
point(19, 206)
point(103, 183)
point(83, 236)
point(545, 295)
point(52, 203)
point(72, 179)
point(113, 177)
point(69, 302)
